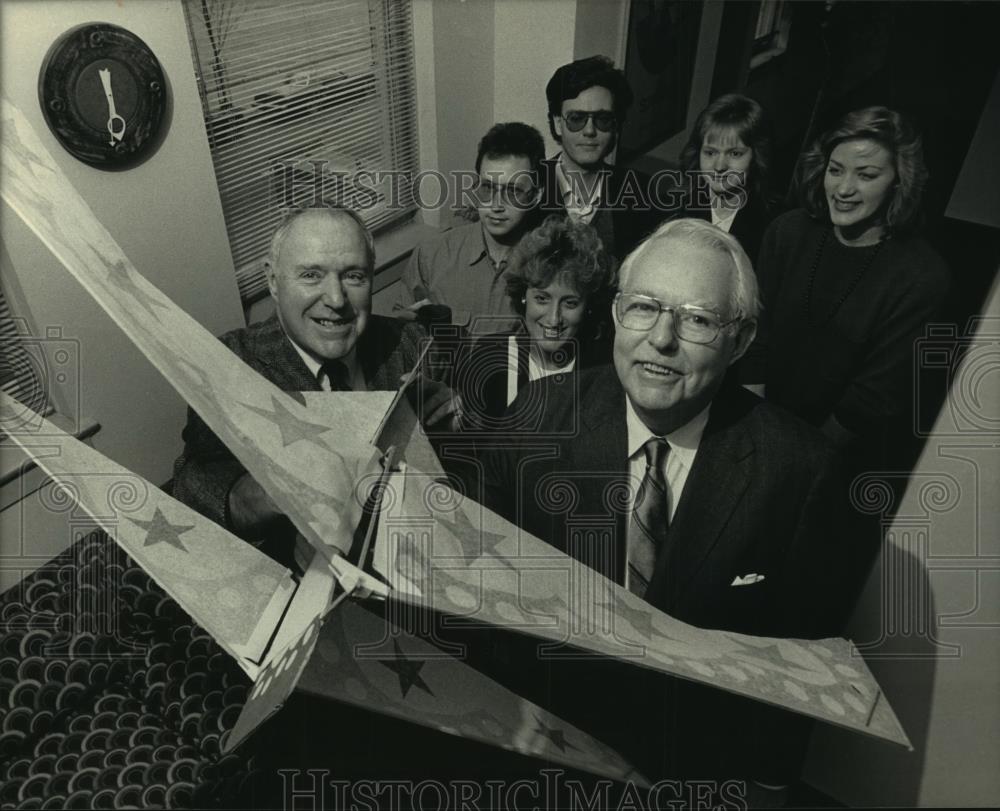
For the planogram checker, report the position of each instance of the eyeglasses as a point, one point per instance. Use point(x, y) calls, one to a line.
point(693, 324)
point(511, 195)
point(576, 120)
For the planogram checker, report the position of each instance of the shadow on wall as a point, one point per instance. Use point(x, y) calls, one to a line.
point(928, 621)
point(894, 628)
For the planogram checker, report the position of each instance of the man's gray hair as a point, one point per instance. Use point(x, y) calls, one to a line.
point(746, 296)
point(335, 212)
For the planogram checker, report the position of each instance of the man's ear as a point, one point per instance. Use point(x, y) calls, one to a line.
point(747, 332)
point(557, 125)
point(269, 274)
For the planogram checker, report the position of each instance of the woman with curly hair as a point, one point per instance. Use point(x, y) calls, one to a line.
point(558, 282)
point(848, 286)
point(726, 160)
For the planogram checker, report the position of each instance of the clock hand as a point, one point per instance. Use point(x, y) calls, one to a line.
point(117, 133)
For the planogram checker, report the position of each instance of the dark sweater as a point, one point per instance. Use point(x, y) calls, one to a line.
point(851, 355)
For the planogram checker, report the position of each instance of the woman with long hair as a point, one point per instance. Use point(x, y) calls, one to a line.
point(726, 160)
point(848, 285)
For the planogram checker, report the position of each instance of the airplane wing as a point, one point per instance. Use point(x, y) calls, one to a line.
point(235, 592)
point(498, 573)
point(356, 657)
point(452, 555)
point(308, 469)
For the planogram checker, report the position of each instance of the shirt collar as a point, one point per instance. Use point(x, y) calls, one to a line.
point(566, 187)
point(683, 442)
point(476, 250)
point(313, 365)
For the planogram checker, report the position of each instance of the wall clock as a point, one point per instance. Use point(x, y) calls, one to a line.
point(104, 95)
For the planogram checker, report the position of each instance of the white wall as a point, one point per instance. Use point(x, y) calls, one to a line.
point(533, 38)
point(165, 214)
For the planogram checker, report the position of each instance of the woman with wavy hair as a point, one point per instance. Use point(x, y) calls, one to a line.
point(726, 161)
point(847, 285)
point(559, 282)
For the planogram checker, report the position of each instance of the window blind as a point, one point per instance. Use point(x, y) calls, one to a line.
point(21, 371)
point(306, 102)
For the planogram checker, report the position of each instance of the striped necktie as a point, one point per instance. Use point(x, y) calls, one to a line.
point(647, 531)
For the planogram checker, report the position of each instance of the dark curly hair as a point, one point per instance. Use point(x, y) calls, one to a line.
point(748, 120)
point(892, 130)
point(571, 80)
point(562, 249)
point(512, 139)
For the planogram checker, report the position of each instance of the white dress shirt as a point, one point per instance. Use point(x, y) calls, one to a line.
point(723, 216)
point(573, 190)
point(350, 361)
point(536, 371)
point(683, 448)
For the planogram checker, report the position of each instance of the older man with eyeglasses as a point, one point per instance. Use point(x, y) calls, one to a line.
point(733, 514)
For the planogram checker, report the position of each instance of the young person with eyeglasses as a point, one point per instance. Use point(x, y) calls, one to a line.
point(458, 277)
point(587, 103)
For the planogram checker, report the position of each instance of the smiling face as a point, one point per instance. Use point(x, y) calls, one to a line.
point(669, 381)
point(321, 284)
point(508, 194)
point(588, 147)
point(859, 182)
point(553, 314)
point(727, 158)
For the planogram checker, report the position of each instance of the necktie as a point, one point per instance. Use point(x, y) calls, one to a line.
point(336, 373)
point(647, 532)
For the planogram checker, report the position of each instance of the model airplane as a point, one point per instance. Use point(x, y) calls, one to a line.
point(316, 454)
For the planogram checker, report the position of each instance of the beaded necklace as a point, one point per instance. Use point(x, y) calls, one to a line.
point(850, 288)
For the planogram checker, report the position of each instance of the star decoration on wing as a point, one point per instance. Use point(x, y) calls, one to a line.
point(292, 428)
point(408, 671)
point(642, 621)
point(555, 736)
point(119, 276)
point(552, 606)
point(160, 530)
point(465, 533)
point(183, 369)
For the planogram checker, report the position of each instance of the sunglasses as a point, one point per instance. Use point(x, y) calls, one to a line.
point(576, 120)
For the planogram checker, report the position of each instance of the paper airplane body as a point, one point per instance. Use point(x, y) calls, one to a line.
point(316, 454)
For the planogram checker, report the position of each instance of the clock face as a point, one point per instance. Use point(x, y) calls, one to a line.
point(104, 95)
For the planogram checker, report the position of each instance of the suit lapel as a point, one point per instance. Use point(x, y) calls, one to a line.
point(715, 486)
point(602, 449)
point(274, 351)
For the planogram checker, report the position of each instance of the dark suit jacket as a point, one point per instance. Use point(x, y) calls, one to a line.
point(633, 215)
point(748, 226)
point(763, 496)
point(207, 469)
point(481, 371)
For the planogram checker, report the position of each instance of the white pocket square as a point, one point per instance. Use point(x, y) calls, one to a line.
point(747, 580)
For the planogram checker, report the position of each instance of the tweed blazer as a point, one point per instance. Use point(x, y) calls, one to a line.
point(206, 470)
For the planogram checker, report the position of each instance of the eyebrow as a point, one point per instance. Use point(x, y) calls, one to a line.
point(863, 166)
point(701, 304)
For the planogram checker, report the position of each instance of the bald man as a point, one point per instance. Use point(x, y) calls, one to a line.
point(322, 337)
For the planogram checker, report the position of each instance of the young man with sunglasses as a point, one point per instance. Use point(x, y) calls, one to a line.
point(587, 101)
point(459, 276)
point(696, 495)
